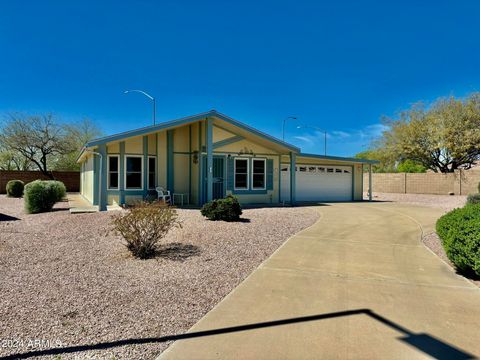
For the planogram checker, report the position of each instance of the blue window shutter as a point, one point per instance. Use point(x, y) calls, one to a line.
point(269, 174)
point(230, 175)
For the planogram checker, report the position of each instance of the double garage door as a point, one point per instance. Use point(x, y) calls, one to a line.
point(318, 183)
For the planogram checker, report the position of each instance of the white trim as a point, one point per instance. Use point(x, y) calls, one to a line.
point(264, 173)
point(125, 172)
point(148, 172)
point(235, 173)
point(118, 172)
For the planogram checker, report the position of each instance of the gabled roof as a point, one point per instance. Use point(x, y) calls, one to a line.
point(187, 120)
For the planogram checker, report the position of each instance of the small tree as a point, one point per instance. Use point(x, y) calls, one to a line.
point(144, 226)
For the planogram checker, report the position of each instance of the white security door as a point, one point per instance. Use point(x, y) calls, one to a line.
point(318, 183)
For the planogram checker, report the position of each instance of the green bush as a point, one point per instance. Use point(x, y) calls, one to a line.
point(460, 233)
point(227, 209)
point(143, 226)
point(59, 188)
point(473, 199)
point(15, 188)
point(40, 196)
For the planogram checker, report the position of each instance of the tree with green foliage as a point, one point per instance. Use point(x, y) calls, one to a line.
point(443, 137)
point(386, 163)
point(410, 166)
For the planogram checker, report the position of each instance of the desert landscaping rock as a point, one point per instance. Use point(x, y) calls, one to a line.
point(444, 202)
point(66, 278)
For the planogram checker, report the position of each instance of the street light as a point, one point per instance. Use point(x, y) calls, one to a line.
point(283, 128)
point(147, 95)
point(318, 129)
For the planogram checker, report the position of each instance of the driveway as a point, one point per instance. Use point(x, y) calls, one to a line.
point(356, 284)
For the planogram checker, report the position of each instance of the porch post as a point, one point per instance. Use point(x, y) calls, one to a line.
point(122, 173)
point(209, 134)
point(102, 204)
point(369, 182)
point(293, 174)
point(145, 166)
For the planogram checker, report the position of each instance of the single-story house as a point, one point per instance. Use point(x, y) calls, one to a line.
point(209, 156)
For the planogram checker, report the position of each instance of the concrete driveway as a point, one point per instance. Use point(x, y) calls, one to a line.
point(357, 284)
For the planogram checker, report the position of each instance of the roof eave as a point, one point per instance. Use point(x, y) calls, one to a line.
point(339, 158)
point(187, 120)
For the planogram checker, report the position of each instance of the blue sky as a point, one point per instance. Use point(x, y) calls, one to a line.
point(337, 65)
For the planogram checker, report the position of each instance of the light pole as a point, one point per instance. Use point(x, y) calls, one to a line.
point(284, 121)
point(147, 95)
point(318, 129)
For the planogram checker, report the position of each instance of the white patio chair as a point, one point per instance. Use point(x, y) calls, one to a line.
point(164, 195)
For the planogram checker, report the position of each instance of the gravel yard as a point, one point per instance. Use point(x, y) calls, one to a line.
point(64, 279)
point(445, 202)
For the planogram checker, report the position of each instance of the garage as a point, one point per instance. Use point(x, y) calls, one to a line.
point(318, 182)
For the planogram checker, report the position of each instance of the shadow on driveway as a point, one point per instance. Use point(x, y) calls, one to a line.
point(426, 343)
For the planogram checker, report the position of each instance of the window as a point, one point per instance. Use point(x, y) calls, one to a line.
point(241, 174)
point(346, 171)
point(152, 167)
point(284, 168)
point(312, 169)
point(321, 169)
point(133, 173)
point(330, 170)
point(113, 172)
point(303, 168)
point(338, 170)
point(258, 174)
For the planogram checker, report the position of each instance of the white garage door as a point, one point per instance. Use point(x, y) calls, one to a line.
point(318, 183)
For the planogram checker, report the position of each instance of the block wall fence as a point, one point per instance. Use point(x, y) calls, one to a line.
point(461, 182)
point(71, 179)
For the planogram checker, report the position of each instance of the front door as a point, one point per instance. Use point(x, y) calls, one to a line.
point(218, 177)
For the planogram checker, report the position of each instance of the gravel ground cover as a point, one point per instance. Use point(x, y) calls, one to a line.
point(65, 280)
point(444, 202)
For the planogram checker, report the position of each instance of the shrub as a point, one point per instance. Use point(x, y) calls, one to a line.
point(143, 226)
point(15, 188)
point(460, 233)
point(40, 196)
point(227, 209)
point(59, 188)
point(473, 199)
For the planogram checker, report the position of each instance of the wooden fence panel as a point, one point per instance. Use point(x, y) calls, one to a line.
point(71, 179)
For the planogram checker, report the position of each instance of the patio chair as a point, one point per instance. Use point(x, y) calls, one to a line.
point(164, 195)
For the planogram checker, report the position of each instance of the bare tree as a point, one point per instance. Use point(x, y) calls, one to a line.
point(36, 138)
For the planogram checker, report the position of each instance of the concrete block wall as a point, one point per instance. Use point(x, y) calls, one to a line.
point(462, 182)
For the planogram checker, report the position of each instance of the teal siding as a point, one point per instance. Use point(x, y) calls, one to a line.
point(122, 174)
point(102, 149)
point(170, 178)
point(145, 166)
point(230, 175)
point(269, 174)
